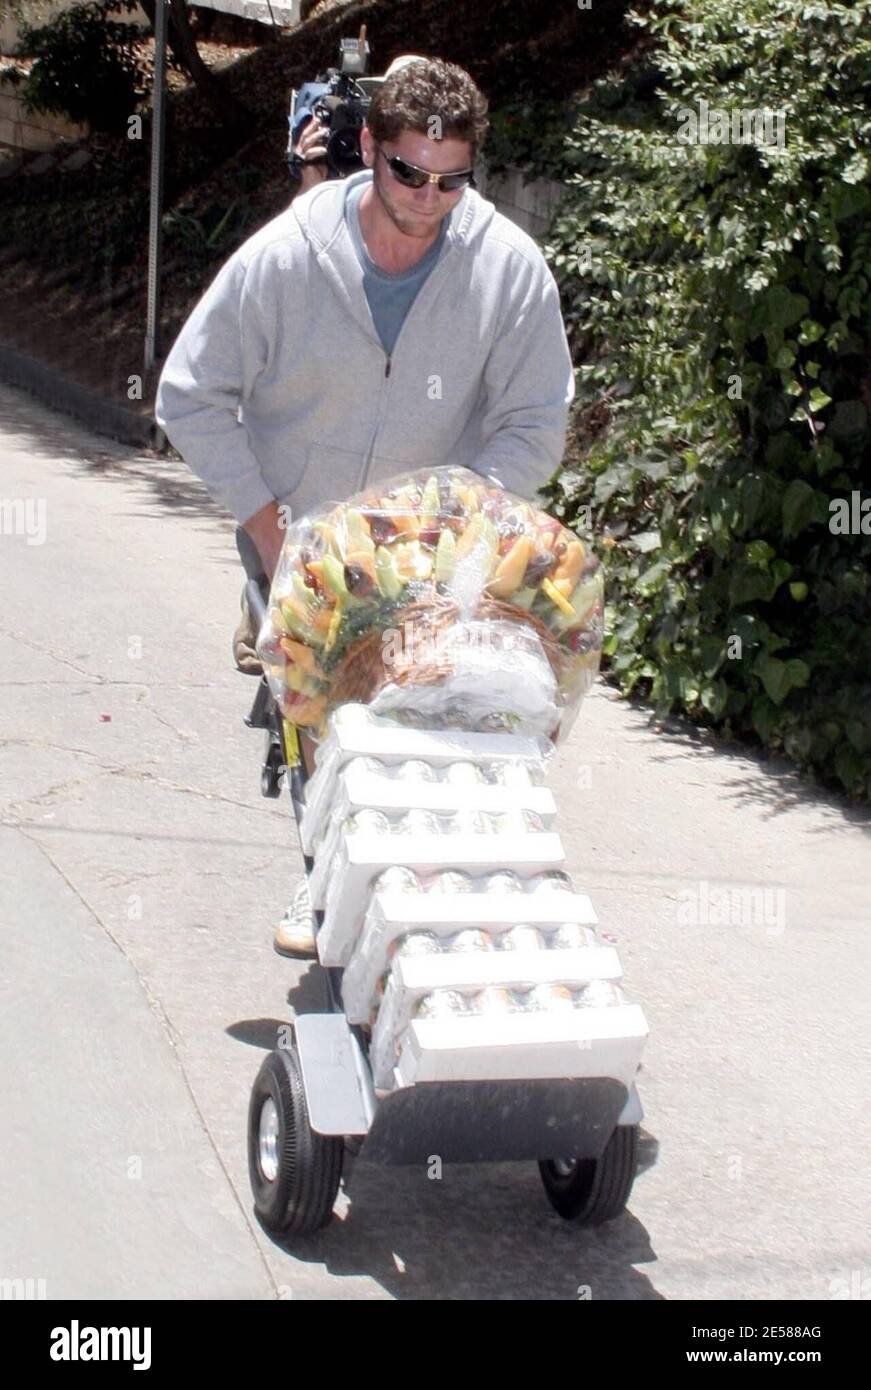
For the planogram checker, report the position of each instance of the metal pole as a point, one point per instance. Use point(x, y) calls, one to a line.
point(152, 313)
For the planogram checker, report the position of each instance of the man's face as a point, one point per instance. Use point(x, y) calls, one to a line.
point(415, 211)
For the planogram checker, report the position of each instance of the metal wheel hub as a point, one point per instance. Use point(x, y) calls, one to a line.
point(565, 1167)
point(268, 1148)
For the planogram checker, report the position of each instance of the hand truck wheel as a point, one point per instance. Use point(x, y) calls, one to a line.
point(295, 1173)
point(589, 1191)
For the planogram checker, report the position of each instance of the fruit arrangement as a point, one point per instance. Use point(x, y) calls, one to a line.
point(447, 544)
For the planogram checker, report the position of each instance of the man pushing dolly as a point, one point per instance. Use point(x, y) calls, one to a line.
point(385, 322)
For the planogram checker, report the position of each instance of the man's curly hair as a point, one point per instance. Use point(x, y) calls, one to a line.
point(425, 89)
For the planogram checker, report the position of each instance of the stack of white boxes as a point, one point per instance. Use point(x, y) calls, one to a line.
point(442, 881)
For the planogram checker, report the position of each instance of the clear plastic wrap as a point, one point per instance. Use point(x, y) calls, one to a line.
point(440, 599)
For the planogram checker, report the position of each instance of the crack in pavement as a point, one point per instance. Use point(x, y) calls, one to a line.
point(38, 801)
point(97, 678)
point(42, 650)
point(140, 774)
point(144, 699)
point(44, 743)
point(111, 680)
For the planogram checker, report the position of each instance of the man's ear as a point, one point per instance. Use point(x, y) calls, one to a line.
point(367, 147)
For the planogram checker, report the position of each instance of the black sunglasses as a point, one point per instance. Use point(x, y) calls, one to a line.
point(413, 177)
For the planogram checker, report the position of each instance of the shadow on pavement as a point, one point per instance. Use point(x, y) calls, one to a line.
point(172, 484)
point(480, 1231)
point(769, 781)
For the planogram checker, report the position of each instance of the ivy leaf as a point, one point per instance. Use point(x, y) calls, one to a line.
point(800, 507)
point(751, 494)
point(780, 677)
point(818, 399)
point(652, 578)
point(782, 308)
point(780, 571)
point(713, 696)
point(646, 541)
point(748, 585)
point(713, 654)
point(760, 552)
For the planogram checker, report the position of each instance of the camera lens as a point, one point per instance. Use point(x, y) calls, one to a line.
point(343, 151)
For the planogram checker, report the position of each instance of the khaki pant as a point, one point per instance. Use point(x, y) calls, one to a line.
point(244, 643)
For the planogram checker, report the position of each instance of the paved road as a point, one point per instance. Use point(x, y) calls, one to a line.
point(141, 876)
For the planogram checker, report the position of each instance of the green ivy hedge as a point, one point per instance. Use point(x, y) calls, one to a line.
point(716, 297)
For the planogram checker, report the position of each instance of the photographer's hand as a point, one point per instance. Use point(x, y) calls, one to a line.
point(312, 145)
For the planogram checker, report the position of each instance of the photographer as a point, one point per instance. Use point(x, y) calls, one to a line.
point(385, 322)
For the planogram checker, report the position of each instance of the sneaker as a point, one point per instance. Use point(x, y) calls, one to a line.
point(296, 931)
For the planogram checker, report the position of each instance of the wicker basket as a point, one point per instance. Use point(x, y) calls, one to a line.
point(363, 672)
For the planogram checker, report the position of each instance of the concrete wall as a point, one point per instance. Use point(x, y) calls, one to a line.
point(26, 130)
point(284, 12)
point(529, 205)
point(38, 12)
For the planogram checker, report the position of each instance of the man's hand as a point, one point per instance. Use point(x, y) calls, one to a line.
point(312, 145)
point(267, 532)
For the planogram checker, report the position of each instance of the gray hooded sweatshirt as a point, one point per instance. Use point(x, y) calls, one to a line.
point(278, 386)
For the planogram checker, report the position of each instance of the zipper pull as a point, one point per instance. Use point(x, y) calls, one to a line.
point(387, 368)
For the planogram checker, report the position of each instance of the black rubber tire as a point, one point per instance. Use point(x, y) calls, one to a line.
point(597, 1189)
point(300, 1198)
point(270, 784)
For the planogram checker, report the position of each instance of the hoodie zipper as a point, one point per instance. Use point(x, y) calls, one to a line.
point(388, 364)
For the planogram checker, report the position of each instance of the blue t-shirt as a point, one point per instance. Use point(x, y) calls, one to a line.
point(390, 296)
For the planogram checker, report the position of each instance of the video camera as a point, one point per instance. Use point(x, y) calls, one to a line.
point(340, 98)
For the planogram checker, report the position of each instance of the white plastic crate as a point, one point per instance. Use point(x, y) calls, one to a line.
point(595, 1042)
point(356, 732)
point(392, 915)
point(358, 789)
point(362, 857)
point(413, 977)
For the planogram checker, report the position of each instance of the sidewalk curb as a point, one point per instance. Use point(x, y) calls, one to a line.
point(58, 391)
